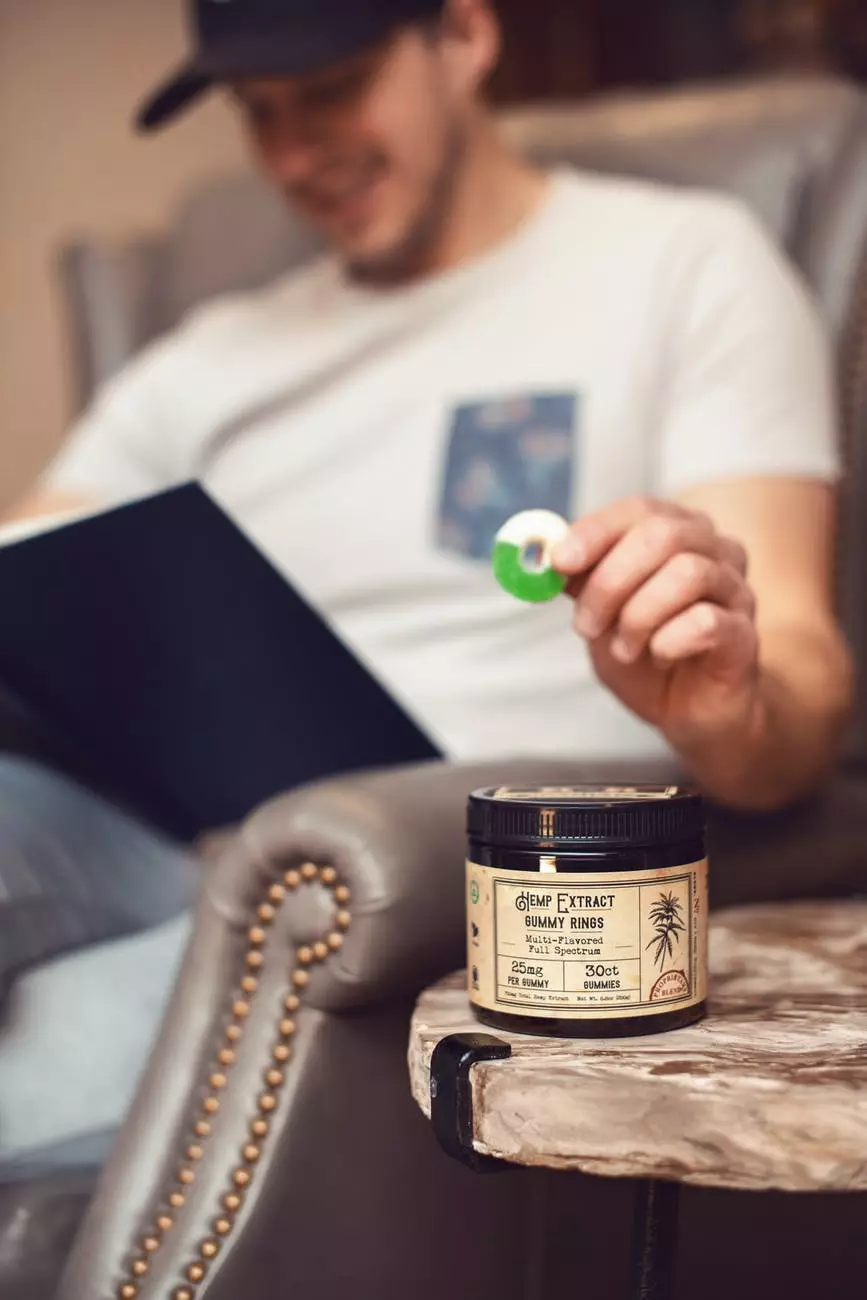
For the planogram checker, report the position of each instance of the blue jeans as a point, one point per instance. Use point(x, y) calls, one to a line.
point(80, 878)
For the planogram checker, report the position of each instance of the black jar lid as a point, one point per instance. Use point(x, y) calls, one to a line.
point(598, 816)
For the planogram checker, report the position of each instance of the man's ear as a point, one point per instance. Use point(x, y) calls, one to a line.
point(472, 32)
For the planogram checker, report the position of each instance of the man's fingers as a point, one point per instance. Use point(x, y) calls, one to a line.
point(735, 554)
point(686, 580)
point(645, 549)
point(705, 629)
point(593, 536)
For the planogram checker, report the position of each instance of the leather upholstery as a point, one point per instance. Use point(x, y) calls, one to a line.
point(232, 236)
point(39, 1219)
point(794, 150)
point(350, 1194)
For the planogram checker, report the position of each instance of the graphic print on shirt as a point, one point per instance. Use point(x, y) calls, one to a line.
point(504, 457)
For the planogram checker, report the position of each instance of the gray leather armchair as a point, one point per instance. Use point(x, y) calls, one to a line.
point(273, 1149)
point(322, 1178)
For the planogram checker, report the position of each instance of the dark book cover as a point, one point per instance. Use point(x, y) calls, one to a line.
point(160, 653)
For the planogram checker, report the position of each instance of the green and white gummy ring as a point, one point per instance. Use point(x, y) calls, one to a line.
point(522, 556)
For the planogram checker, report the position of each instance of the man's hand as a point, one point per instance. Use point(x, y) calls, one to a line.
point(664, 602)
point(750, 681)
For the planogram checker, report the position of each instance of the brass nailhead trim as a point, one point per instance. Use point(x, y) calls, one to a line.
point(232, 1201)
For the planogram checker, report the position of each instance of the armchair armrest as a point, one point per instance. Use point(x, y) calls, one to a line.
point(395, 840)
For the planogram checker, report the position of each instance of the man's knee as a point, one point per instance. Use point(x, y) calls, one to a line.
point(78, 1035)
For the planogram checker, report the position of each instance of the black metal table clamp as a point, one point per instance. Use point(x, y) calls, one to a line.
point(451, 1095)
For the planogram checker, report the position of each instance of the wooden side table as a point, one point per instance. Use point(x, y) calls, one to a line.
point(770, 1092)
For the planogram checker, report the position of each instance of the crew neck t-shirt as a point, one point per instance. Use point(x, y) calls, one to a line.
point(627, 338)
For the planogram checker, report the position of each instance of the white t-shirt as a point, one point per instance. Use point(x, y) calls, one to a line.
point(628, 338)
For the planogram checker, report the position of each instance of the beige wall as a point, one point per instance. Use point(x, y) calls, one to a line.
point(71, 72)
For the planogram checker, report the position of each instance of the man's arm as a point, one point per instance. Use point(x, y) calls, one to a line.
point(749, 680)
point(709, 610)
point(804, 688)
point(42, 503)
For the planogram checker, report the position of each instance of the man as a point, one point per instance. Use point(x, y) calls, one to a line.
point(482, 338)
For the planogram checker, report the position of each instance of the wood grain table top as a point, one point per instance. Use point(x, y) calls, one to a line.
point(769, 1092)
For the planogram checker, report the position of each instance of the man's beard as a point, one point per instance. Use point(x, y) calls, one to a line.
point(413, 255)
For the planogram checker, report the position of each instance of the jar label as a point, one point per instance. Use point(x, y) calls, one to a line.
point(546, 944)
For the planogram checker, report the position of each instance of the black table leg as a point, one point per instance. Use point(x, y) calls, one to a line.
point(655, 1242)
point(656, 1205)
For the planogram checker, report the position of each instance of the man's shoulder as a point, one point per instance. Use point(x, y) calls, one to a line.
point(227, 335)
point(250, 312)
point(645, 212)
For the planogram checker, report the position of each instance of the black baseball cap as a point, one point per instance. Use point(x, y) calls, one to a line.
point(275, 38)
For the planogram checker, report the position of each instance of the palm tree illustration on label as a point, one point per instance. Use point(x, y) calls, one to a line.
point(666, 916)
